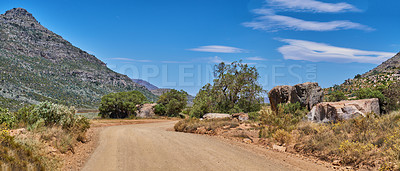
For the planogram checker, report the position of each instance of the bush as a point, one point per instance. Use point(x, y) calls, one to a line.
point(336, 96)
point(286, 117)
point(172, 103)
point(7, 118)
point(191, 125)
point(392, 92)
point(159, 109)
point(282, 136)
point(120, 105)
point(254, 116)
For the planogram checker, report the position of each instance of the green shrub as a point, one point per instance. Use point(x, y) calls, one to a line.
point(120, 105)
point(159, 109)
point(366, 93)
point(336, 96)
point(171, 103)
point(254, 116)
point(7, 118)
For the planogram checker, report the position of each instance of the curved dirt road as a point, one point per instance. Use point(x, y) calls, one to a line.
point(152, 147)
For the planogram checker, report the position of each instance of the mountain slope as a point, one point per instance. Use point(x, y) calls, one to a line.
point(38, 65)
point(146, 84)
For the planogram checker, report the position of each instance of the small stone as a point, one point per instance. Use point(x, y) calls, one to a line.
point(336, 162)
point(247, 141)
point(279, 148)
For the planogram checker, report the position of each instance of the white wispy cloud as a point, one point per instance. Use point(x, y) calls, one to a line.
point(218, 49)
point(133, 60)
point(270, 21)
point(255, 58)
point(312, 6)
point(318, 52)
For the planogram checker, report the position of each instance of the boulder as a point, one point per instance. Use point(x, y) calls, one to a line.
point(216, 115)
point(241, 116)
point(307, 94)
point(343, 110)
point(145, 110)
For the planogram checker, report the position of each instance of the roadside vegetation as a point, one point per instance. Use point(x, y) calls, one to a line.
point(120, 105)
point(235, 89)
point(370, 142)
point(47, 128)
point(171, 103)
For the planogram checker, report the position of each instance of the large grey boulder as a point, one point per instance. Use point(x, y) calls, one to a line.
point(307, 94)
point(216, 115)
point(145, 110)
point(343, 110)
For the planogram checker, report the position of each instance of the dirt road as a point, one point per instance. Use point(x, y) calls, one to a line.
point(153, 147)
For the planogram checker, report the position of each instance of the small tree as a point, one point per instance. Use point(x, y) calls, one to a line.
point(171, 103)
point(235, 89)
point(120, 105)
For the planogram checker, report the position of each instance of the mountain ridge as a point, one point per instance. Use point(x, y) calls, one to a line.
point(39, 65)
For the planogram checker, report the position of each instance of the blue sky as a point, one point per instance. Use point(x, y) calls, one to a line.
point(175, 43)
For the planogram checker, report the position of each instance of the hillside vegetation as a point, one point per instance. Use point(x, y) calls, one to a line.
point(38, 65)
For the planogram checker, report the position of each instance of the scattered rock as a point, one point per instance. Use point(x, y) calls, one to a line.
point(146, 110)
point(336, 162)
point(247, 140)
point(279, 148)
point(216, 115)
point(241, 116)
point(201, 130)
point(307, 94)
point(343, 110)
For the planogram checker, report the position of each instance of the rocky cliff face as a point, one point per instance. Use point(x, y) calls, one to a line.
point(39, 65)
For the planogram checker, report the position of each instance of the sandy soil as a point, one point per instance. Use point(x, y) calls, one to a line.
point(153, 146)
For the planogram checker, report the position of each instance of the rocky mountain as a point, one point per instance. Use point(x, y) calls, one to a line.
point(39, 65)
point(379, 77)
point(146, 84)
point(389, 67)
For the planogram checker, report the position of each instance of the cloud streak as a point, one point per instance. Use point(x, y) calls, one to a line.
point(312, 6)
point(218, 49)
point(320, 52)
point(269, 21)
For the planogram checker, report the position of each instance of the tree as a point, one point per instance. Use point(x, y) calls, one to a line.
point(235, 89)
point(120, 105)
point(171, 103)
point(336, 96)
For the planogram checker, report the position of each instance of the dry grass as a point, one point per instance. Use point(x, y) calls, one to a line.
point(372, 141)
point(194, 125)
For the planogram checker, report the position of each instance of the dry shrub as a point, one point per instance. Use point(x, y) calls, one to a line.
point(282, 136)
point(372, 141)
point(190, 125)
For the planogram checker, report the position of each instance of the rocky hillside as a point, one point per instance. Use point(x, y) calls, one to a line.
point(381, 76)
point(39, 65)
point(146, 84)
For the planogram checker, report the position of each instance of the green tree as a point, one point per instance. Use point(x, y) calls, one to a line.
point(171, 103)
point(120, 105)
point(235, 89)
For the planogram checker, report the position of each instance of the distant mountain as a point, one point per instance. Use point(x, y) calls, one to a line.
point(146, 84)
point(39, 65)
point(159, 91)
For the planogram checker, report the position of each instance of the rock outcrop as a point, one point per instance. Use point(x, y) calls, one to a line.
point(146, 110)
point(343, 110)
point(307, 94)
point(216, 116)
point(241, 116)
